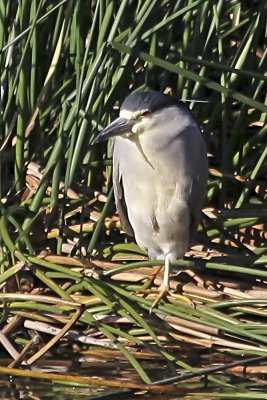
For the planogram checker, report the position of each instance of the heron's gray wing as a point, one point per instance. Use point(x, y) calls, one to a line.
point(196, 203)
point(199, 188)
point(119, 198)
point(193, 163)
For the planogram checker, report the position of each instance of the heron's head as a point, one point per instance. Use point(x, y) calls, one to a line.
point(140, 113)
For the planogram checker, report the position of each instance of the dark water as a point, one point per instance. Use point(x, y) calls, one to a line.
point(224, 385)
point(32, 389)
point(35, 389)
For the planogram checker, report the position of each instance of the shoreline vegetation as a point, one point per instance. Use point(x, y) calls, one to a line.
point(74, 288)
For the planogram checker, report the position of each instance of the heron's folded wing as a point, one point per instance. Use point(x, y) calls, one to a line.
point(120, 200)
point(197, 195)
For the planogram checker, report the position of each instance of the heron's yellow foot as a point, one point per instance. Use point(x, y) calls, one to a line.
point(182, 298)
point(163, 292)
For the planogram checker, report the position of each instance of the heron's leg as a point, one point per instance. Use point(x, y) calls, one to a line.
point(165, 286)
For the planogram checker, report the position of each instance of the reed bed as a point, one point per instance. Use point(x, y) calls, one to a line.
point(71, 282)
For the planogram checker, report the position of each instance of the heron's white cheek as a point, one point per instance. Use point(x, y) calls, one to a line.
point(141, 127)
point(137, 129)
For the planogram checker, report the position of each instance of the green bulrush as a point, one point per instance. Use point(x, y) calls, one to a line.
point(64, 68)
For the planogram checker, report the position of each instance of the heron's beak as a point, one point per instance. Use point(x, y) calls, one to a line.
point(118, 127)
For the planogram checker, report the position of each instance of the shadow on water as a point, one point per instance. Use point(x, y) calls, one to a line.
point(68, 380)
point(33, 389)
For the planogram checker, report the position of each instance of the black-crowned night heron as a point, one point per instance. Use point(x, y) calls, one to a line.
point(159, 174)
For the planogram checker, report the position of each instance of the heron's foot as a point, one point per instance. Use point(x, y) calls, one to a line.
point(164, 292)
point(182, 298)
point(161, 292)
